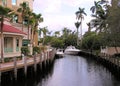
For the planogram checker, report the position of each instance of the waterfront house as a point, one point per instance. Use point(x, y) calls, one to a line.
point(12, 38)
point(17, 18)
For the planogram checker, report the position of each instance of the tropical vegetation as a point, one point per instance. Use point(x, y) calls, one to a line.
point(103, 29)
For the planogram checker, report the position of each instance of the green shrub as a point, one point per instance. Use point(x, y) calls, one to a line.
point(36, 50)
point(24, 50)
point(7, 59)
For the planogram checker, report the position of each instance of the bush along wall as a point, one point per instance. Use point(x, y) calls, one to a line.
point(25, 50)
point(36, 50)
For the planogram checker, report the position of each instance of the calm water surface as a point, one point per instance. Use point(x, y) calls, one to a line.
point(74, 71)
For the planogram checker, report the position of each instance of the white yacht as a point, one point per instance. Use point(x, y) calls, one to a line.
point(71, 50)
point(60, 52)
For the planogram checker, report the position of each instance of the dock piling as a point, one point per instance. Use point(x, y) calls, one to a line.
point(15, 68)
point(0, 71)
point(35, 63)
point(40, 61)
point(25, 64)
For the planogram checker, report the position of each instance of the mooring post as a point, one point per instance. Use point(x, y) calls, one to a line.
point(119, 62)
point(40, 60)
point(35, 63)
point(0, 71)
point(0, 77)
point(15, 68)
point(25, 64)
point(45, 58)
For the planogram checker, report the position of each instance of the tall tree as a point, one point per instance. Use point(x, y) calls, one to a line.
point(45, 31)
point(28, 17)
point(100, 14)
point(77, 24)
point(23, 10)
point(80, 16)
point(113, 32)
point(65, 32)
point(4, 12)
point(57, 33)
point(37, 18)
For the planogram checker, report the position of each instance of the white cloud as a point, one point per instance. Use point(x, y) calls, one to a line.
point(53, 6)
point(56, 19)
point(76, 3)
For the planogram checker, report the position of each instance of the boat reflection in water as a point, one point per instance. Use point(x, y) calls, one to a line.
point(71, 50)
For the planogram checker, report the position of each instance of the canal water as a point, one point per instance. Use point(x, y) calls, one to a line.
point(71, 71)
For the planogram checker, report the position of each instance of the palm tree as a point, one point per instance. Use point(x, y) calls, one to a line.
point(4, 12)
point(100, 15)
point(40, 31)
point(96, 7)
point(80, 16)
point(44, 30)
point(65, 32)
point(89, 27)
point(57, 33)
point(29, 19)
point(37, 18)
point(77, 24)
point(23, 10)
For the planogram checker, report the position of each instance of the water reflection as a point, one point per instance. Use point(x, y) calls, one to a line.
point(71, 71)
point(78, 71)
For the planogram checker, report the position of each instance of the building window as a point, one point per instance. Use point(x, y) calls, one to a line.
point(4, 2)
point(17, 44)
point(15, 19)
point(8, 44)
point(14, 2)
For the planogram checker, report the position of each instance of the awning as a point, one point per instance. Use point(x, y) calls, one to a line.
point(11, 29)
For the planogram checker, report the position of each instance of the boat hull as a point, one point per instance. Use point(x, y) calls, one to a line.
point(60, 53)
point(71, 52)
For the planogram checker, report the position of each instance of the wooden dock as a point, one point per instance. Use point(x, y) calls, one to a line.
point(44, 57)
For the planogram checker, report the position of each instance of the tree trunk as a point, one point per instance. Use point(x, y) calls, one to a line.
point(2, 56)
point(81, 32)
point(43, 39)
point(77, 37)
point(28, 32)
point(31, 35)
point(22, 25)
point(22, 21)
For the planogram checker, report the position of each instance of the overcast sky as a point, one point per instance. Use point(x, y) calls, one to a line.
point(58, 14)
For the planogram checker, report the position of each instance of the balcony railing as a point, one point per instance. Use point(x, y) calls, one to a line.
point(7, 50)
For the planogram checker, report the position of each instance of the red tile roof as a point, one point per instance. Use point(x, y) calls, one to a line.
point(11, 29)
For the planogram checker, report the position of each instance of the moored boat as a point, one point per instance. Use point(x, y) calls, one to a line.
point(71, 50)
point(60, 52)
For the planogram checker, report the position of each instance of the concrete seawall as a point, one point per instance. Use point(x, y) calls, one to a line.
point(110, 62)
